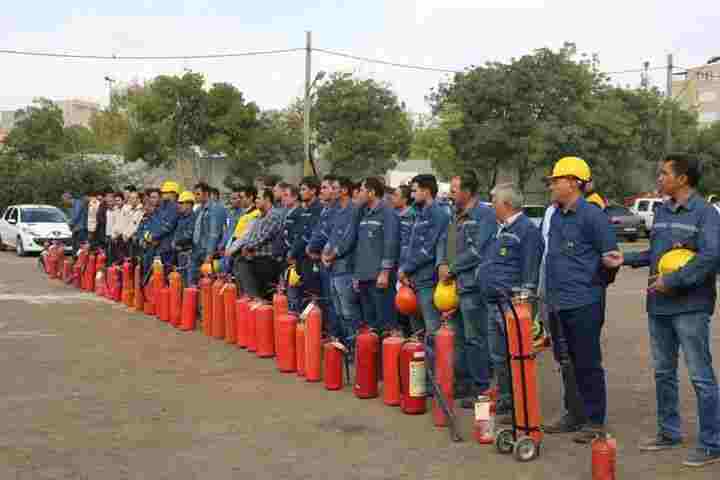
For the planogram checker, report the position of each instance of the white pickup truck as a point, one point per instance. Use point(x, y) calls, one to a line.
point(645, 208)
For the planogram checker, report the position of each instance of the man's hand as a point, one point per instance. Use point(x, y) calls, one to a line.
point(658, 285)
point(209, 259)
point(444, 273)
point(291, 261)
point(613, 260)
point(226, 253)
point(402, 278)
point(383, 279)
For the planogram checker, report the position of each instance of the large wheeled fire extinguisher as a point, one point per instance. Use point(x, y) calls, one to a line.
point(525, 437)
point(413, 377)
point(367, 345)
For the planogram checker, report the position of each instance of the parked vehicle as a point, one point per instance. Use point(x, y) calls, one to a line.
point(27, 228)
point(645, 208)
point(627, 225)
point(535, 213)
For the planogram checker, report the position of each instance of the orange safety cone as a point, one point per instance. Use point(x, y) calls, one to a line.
point(391, 347)
point(242, 312)
point(189, 309)
point(175, 314)
point(313, 345)
point(230, 302)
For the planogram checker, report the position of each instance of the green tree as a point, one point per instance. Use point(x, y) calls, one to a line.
point(431, 140)
point(110, 128)
point(361, 126)
point(39, 133)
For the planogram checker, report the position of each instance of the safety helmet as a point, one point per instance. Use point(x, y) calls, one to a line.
point(446, 297)
point(293, 277)
point(186, 197)
point(216, 265)
point(673, 260)
point(206, 269)
point(170, 187)
point(406, 301)
point(571, 167)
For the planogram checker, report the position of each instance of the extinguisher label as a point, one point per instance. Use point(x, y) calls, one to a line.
point(306, 312)
point(482, 410)
point(418, 379)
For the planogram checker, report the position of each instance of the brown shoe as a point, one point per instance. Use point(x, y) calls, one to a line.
point(589, 433)
point(566, 424)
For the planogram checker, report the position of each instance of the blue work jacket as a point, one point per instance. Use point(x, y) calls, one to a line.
point(209, 228)
point(342, 237)
point(378, 242)
point(163, 228)
point(420, 260)
point(321, 232)
point(476, 228)
point(695, 226)
point(309, 217)
point(79, 215)
point(291, 231)
point(183, 236)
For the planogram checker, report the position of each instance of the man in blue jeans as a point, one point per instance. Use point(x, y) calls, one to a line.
point(421, 259)
point(476, 227)
point(338, 258)
point(680, 304)
point(581, 250)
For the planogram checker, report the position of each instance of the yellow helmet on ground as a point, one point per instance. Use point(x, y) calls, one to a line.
point(187, 197)
point(170, 187)
point(293, 277)
point(446, 297)
point(673, 260)
point(571, 167)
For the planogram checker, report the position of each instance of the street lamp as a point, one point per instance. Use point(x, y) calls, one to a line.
point(308, 168)
point(110, 82)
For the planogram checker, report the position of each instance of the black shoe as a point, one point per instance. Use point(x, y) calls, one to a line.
point(504, 418)
point(700, 457)
point(659, 442)
point(589, 433)
point(566, 424)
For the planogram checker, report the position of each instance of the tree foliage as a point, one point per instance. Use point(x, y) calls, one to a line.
point(361, 126)
point(39, 134)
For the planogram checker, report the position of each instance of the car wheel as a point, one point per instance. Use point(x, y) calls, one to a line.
point(2, 245)
point(19, 249)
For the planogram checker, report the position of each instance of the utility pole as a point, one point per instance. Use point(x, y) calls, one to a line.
point(669, 105)
point(110, 82)
point(307, 165)
point(645, 77)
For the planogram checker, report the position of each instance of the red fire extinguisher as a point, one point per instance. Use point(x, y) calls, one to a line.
point(366, 370)
point(313, 345)
point(300, 348)
point(444, 356)
point(89, 280)
point(333, 365)
point(252, 327)
point(604, 451)
point(138, 296)
point(189, 309)
point(164, 304)
point(391, 347)
point(230, 301)
point(100, 283)
point(175, 313)
point(413, 378)
point(116, 292)
point(67, 270)
point(126, 282)
point(264, 331)
point(286, 356)
point(242, 311)
point(217, 329)
point(280, 307)
point(206, 303)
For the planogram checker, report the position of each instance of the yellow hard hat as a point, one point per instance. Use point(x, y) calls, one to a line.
point(187, 197)
point(293, 277)
point(446, 297)
point(673, 260)
point(206, 269)
point(170, 187)
point(571, 167)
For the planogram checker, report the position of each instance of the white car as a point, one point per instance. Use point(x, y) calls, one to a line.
point(27, 228)
point(645, 209)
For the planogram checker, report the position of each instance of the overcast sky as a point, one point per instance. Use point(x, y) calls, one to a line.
point(442, 33)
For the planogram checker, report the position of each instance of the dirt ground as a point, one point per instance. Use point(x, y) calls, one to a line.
point(91, 391)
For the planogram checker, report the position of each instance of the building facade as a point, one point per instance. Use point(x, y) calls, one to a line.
point(700, 91)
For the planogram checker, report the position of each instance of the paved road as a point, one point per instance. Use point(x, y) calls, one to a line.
point(91, 391)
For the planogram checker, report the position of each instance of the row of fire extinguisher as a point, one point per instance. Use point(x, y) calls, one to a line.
point(295, 341)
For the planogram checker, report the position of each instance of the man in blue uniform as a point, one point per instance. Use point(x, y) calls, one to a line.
point(476, 226)
point(680, 303)
point(183, 236)
point(376, 257)
point(161, 231)
point(581, 250)
point(420, 263)
point(208, 231)
point(511, 263)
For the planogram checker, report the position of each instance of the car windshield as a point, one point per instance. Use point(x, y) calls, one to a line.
point(618, 212)
point(42, 215)
point(534, 212)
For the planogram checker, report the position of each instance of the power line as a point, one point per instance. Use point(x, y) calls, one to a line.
point(384, 62)
point(159, 57)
